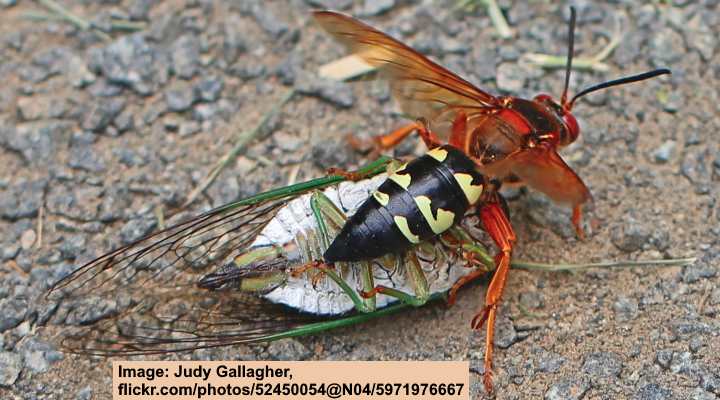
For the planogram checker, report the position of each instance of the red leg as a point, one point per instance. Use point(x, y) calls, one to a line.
point(429, 138)
point(577, 221)
point(394, 138)
point(498, 226)
point(452, 295)
point(458, 136)
point(378, 144)
point(319, 265)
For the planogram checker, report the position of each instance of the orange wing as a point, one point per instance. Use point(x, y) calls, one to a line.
point(544, 170)
point(423, 88)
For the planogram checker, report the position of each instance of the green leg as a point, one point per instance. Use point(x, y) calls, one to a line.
point(326, 214)
point(417, 277)
point(468, 244)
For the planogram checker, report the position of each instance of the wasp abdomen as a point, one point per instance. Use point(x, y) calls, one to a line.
point(420, 200)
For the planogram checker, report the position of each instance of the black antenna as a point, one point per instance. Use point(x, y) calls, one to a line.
point(621, 81)
point(571, 48)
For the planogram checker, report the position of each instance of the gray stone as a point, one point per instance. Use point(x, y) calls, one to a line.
point(61, 201)
point(532, 300)
point(330, 4)
point(626, 309)
point(505, 333)
point(185, 56)
point(688, 328)
point(204, 112)
point(663, 358)
point(331, 154)
point(269, 22)
point(666, 47)
point(138, 11)
point(209, 88)
point(663, 153)
point(339, 94)
point(14, 310)
point(234, 42)
point(41, 107)
point(709, 381)
point(76, 71)
point(10, 367)
point(132, 62)
point(102, 113)
point(550, 362)
point(569, 388)
point(125, 121)
point(602, 365)
point(188, 128)
point(290, 68)
point(653, 391)
point(23, 200)
point(90, 310)
point(73, 246)
point(8, 251)
point(510, 77)
point(136, 229)
point(682, 362)
point(249, 71)
point(180, 97)
point(85, 393)
point(86, 159)
point(699, 394)
point(37, 141)
point(37, 356)
point(673, 102)
point(288, 350)
point(376, 7)
point(630, 236)
point(704, 268)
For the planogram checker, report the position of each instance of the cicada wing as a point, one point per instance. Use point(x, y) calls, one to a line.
point(423, 88)
point(146, 296)
point(171, 257)
point(545, 171)
point(176, 321)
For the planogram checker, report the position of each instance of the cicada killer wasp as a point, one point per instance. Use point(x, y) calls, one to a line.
point(509, 139)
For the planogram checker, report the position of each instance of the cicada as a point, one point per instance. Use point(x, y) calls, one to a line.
point(238, 274)
point(508, 139)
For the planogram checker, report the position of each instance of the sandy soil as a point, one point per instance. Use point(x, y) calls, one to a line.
point(83, 156)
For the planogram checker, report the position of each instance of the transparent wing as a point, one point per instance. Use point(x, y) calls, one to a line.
point(145, 298)
point(150, 296)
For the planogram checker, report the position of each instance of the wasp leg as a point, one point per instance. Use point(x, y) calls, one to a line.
point(377, 144)
point(326, 213)
point(418, 279)
point(577, 221)
point(428, 137)
point(496, 223)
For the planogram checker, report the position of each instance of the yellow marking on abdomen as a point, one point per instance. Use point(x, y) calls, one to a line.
point(472, 192)
point(402, 224)
point(438, 153)
point(381, 198)
point(444, 219)
point(401, 179)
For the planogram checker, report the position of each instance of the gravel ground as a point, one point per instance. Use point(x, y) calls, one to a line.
point(98, 130)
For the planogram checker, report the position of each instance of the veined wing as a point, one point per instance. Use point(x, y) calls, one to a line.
point(145, 297)
point(423, 88)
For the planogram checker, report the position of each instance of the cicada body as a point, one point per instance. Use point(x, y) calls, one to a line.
point(229, 275)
